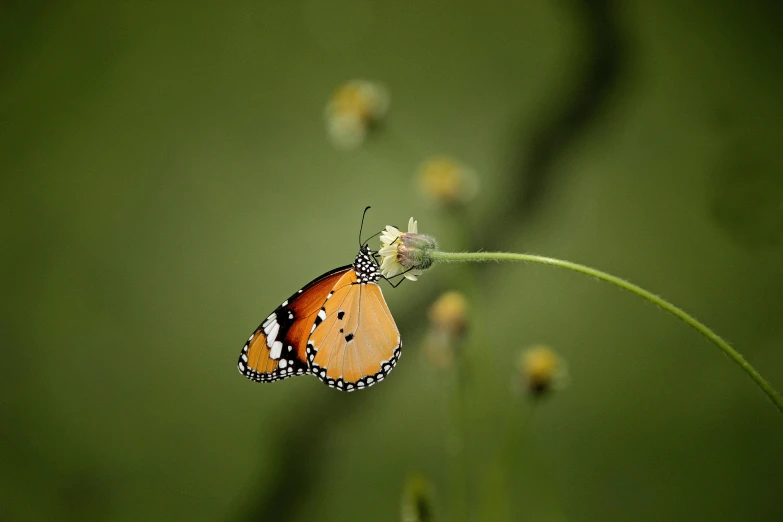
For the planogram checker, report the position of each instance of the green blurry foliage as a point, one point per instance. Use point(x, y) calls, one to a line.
point(167, 180)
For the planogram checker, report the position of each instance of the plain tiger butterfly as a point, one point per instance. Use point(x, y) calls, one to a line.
point(337, 327)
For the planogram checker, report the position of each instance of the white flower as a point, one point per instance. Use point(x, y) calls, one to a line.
point(352, 110)
point(391, 241)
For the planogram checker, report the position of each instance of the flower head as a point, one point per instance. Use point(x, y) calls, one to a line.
point(391, 241)
point(353, 109)
point(541, 370)
point(449, 313)
point(405, 252)
point(448, 324)
point(417, 500)
point(445, 181)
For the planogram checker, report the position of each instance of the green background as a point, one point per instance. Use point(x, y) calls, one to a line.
point(167, 181)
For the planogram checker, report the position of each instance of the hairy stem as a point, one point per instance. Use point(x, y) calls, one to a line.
point(477, 257)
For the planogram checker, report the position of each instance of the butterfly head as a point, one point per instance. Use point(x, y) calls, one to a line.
point(365, 266)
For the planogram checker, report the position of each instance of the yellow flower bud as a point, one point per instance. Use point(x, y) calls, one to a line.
point(449, 313)
point(417, 500)
point(448, 324)
point(444, 181)
point(353, 109)
point(541, 369)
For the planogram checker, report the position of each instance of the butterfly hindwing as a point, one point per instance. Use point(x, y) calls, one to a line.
point(277, 348)
point(357, 343)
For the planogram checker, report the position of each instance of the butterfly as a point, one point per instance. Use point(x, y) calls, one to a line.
point(337, 327)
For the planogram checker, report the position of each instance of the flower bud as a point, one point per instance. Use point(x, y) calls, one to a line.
point(448, 323)
point(444, 181)
point(541, 370)
point(449, 313)
point(352, 111)
point(417, 500)
point(415, 251)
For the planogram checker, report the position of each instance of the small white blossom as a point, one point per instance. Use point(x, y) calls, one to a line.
point(391, 241)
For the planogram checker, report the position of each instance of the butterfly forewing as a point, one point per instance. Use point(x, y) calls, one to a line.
point(277, 349)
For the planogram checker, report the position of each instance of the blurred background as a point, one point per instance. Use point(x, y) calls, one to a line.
point(168, 178)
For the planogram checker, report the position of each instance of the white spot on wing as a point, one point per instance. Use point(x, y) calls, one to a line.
point(277, 348)
point(272, 335)
point(269, 326)
point(283, 363)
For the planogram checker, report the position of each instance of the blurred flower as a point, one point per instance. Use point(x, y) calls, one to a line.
point(405, 252)
point(449, 313)
point(417, 500)
point(448, 324)
point(352, 110)
point(445, 181)
point(541, 370)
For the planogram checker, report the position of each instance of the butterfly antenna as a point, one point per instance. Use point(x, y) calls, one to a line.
point(372, 236)
point(362, 225)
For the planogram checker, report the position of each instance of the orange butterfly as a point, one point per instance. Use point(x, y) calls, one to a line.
point(338, 328)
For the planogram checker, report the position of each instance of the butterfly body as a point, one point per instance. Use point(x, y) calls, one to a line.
point(338, 328)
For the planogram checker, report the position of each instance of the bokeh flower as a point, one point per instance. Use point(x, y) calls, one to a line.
point(405, 252)
point(354, 108)
point(447, 182)
point(449, 320)
point(449, 313)
point(541, 370)
point(417, 500)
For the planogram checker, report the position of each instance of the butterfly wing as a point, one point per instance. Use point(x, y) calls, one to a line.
point(356, 342)
point(276, 350)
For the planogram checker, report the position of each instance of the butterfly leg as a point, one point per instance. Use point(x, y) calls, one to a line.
point(389, 279)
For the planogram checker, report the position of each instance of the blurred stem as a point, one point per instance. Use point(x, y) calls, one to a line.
point(477, 257)
point(497, 495)
point(516, 435)
point(459, 489)
point(467, 280)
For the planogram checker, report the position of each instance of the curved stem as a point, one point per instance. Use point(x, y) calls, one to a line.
point(474, 257)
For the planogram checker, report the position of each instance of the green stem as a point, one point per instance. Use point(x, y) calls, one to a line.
point(477, 257)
